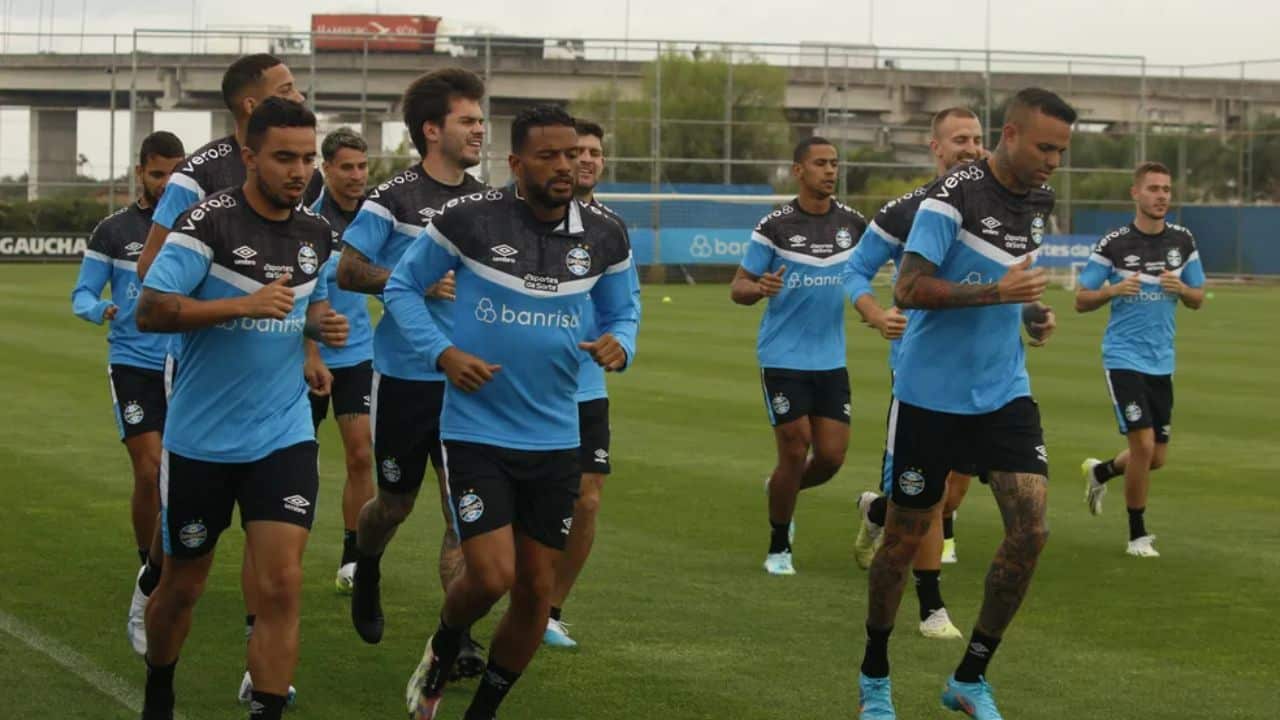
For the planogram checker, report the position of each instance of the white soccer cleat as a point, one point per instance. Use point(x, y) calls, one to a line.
point(1142, 547)
point(949, 552)
point(245, 696)
point(869, 534)
point(1094, 491)
point(137, 627)
point(345, 581)
point(414, 689)
point(779, 564)
point(938, 626)
point(557, 635)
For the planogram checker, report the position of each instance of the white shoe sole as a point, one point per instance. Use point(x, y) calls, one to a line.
point(136, 625)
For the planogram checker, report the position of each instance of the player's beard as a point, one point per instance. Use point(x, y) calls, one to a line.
point(151, 199)
point(541, 194)
point(277, 199)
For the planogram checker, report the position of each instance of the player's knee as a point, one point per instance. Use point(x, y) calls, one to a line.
point(359, 461)
point(1157, 460)
point(793, 449)
point(1142, 447)
point(394, 507)
point(181, 594)
point(494, 581)
point(280, 587)
point(828, 460)
point(1031, 538)
point(588, 502)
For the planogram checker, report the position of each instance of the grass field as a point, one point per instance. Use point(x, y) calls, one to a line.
point(674, 615)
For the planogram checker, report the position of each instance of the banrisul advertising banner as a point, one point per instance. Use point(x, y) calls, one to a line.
point(42, 247)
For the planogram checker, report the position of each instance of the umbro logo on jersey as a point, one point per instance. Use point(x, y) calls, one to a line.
point(504, 253)
point(1132, 260)
point(297, 503)
point(797, 240)
point(428, 213)
point(245, 255)
point(133, 248)
point(990, 226)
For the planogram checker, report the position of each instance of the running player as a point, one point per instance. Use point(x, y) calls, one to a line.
point(247, 82)
point(510, 423)
point(593, 415)
point(956, 138)
point(801, 345)
point(1151, 265)
point(445, 120)
point(961, 390)
point(237, 277)
point(135, 369)
point(346, 168)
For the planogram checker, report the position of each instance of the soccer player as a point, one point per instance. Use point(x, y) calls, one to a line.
point(593, 414)
point(238, 277)
point(247, 83)
point(445, 120)
point(510, 423)
point(346, 169)
point(135, 369)
point(1142, 270)
point(796, 259)
point(956, 139)
point(961, 390)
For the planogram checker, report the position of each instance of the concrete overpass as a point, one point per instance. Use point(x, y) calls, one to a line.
point(876, 104)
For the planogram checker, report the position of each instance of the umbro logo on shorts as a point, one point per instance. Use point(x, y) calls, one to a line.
point(297, 503)
point(601, 455)
point(568, 525)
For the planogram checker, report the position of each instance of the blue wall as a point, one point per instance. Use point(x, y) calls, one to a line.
point(1222, 235)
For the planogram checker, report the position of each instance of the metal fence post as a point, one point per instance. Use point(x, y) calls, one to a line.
point(728, 115)
point(1141, 145)
point(133, 111)
point(485, 169)
point(655, 172)
point(364, 93)
point(111, 144)
point(613, 116)
point(313, 84)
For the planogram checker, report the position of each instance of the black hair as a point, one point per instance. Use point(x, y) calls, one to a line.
point(1045, 101)
point(243, 73)
point(428, 98)
point(535, 117)
point(276, 112)
point(802, 148)
point(162, 143)
point(343, 137)
point(586, 127)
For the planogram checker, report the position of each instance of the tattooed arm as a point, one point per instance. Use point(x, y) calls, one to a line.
point(164, 312)
point(1022, 499)
point(918, 288)
point(356, 272)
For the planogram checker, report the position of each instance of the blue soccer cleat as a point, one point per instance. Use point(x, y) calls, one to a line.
point(875, 699)
point(557, 635)
point(973, 699)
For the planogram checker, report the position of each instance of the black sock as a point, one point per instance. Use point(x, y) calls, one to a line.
point(159, 689)
point(349, 552)
point(248, 625)
point(878, 510)
point(494, 686)
point(1137, 524)
point(1104, 471)
point(150, 578)
point(266, 706)
point(928, 591)
point(875, 661)
point(446, 644)
point(949, 527)
point(976, 656)
point(778, 540)
point(143, 555)
point(368, 567)
point(555, 614)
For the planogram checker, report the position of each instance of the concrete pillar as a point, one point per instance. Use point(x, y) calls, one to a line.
point(221, 124)
point(373, 135)
point(144, 123)
point(53, 150)
point(499, 131)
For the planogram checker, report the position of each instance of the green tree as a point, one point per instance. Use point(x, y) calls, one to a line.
point(694, 95)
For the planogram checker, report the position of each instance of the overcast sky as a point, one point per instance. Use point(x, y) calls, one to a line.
point(1169, 31)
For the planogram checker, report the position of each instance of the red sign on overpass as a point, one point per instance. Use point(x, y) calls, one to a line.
point(385, 33)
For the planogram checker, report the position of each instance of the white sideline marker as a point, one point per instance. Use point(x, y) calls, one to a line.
point(113, 686)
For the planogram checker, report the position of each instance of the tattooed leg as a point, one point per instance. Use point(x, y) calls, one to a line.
point(904, 530)
point(1022, 499)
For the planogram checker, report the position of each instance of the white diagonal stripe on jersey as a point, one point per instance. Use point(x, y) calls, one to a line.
point(303, 291)
point(188, 183)
point(991, 252)
point(497, 277)
point(95, 255)
point(884, 234)
point(408, 229)
point(246, 285)
point(619, 266)
point(1100, 259)
point(812, 261)
point(1143, 277)
point(130, 265)
point(442, 240)
point(186, 241)
point(756, 236)
point(376, 208)
point(941, 208)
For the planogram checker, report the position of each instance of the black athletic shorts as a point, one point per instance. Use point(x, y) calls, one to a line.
point(924, 445)
point(593, 431)
point(405, 418)
point(197, 496)
point(492, 487)
point(350, 393)
point(793, 394)
point(139, 398)
point(965, 467)
point(1142, 401)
